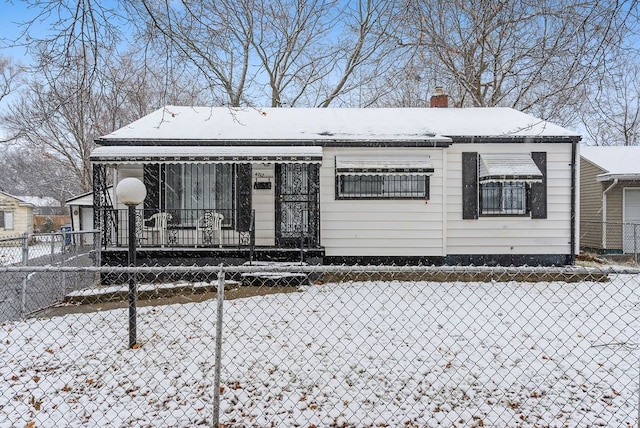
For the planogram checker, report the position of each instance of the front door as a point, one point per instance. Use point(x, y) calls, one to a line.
point(297, 211)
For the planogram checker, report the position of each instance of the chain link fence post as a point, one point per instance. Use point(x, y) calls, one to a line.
point(25, 262)
point(52, 240)
point(218, 356)
point(63, 250)
point(635, 252)
point(96, 238)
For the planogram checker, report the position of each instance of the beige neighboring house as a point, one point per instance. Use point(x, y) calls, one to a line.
point(610, 199)
point(16, 216)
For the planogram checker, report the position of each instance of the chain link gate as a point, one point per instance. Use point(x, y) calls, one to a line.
point(344, 346)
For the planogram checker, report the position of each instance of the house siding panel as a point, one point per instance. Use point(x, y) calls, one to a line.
point(264, 205)
point(512, 234)
point(590, 206)
point(381, 227)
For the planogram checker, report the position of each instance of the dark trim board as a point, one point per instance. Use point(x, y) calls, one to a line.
point(238, 256)
point(603, 251)
point(384, 260)
point(455, 260)
point(209, 256)
point(509, 260)
point(321, 142)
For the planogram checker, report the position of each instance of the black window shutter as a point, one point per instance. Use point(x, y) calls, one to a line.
point(151, 180)
point(470, 185)
point(243, 194)
point(538, 197)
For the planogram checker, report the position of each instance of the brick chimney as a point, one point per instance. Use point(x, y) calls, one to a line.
point(439, 99)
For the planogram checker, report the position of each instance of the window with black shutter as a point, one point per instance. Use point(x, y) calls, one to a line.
point(504, 184)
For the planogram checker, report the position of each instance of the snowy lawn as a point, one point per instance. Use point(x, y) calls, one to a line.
point(352, 354)
point(12, 255)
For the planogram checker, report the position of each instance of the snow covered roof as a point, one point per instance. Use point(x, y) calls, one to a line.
point(303, 125)
point(40, 201)
point(19, 199)
point(621, 162)
point(85, 198)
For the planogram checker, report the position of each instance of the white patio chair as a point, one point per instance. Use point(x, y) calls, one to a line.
point(157, 223)
point(209, 224)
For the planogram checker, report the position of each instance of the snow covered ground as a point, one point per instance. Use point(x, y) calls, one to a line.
point(352, 354)
point(12, 255)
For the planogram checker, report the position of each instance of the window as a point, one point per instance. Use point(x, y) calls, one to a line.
point(504, 184)
point(389, 177)
point(6, 220)
point(387, 186)
point(503, 198)
point(192, 189)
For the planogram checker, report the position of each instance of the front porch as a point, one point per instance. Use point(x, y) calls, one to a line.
point(202, 237)
point(211, 205)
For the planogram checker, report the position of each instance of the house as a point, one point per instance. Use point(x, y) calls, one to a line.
point(16, 216)
point(81, 209)
point(610, 199)
point(342, 185)
point(43, 205)
point(48, 215)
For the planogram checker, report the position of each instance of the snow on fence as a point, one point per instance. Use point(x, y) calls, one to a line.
point(328, 346)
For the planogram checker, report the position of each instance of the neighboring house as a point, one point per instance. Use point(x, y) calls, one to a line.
point(48, 215)
point(610, 199)
point(81, 209)
point(379, 185)
point(43, 205)
point(16, 216)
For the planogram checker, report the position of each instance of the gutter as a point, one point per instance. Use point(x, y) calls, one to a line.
point(604, 212)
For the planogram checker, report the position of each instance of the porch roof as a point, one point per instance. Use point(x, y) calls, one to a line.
point(206, 154)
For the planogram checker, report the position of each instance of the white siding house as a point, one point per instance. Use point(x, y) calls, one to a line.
point(415, 185)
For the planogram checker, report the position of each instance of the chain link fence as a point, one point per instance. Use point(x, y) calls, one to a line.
point(21, 295)
point(273, 345)
point(612, 240)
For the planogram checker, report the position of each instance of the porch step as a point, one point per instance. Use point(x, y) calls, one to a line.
point(280, 278)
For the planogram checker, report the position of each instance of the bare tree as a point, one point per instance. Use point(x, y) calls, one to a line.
point(364, 47)
point(26, 171)
point(612, 116)
point(59, 116)
point(214, 37)
point(291, 42)
point(307, 52)
point(535, 56)
point(79, 33)
point(10, 75)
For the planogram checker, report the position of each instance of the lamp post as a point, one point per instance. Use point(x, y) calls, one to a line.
point(131, 192)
